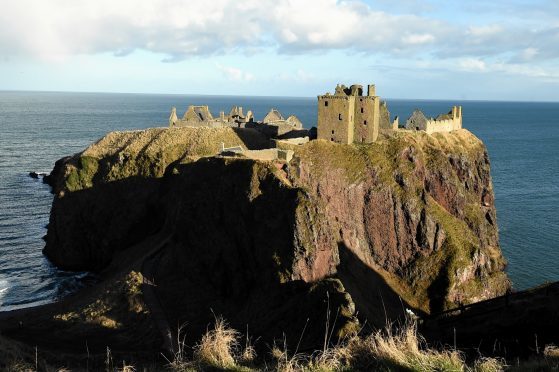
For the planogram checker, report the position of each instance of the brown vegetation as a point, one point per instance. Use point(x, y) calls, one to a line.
point(222, 349)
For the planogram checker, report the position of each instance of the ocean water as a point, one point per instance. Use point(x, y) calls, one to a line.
point(37, 128)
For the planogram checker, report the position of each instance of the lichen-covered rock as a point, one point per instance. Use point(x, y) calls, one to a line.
point(343, 228)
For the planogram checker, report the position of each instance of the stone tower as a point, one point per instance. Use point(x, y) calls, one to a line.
point(348, 116)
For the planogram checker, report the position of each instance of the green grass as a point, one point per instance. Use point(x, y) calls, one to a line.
point(81, 176)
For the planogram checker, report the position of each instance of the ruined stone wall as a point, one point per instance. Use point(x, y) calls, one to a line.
point(198, 124)
point(281, 128)
point(335, 118)
point(367, 119)
point(268, 154)
point(384, 120)
point(448, 125)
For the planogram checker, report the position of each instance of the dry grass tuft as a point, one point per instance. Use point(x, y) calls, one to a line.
point(218, 346)
point(489, 365)
point(285, 363)
point(400, 350)
point(388, 350)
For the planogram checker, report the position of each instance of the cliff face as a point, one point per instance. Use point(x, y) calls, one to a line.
point(418, 209)
point(342, 228)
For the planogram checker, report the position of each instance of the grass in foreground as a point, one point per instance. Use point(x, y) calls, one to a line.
point(224, 349)
point(387, 350)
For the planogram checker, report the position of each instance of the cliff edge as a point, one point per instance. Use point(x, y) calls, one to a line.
point(344, 232)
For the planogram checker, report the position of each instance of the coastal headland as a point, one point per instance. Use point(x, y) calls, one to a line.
point(288, 239)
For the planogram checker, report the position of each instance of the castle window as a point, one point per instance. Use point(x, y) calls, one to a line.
point(332, 132)
point(325, 103)
point(365, 122)
point(339, 116)
point(361, 109)
point(331, 139)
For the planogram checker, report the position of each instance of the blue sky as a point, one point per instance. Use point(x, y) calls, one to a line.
point(497, 50)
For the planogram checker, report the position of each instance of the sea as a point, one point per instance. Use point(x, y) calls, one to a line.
point(37, 128)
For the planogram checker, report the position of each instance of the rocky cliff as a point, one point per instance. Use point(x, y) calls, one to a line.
point(342, 234)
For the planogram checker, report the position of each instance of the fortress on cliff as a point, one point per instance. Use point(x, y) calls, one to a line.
point(350, 115)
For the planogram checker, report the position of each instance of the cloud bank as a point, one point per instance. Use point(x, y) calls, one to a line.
point(179, 29)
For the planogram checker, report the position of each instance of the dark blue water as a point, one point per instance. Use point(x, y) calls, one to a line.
point(36, 129)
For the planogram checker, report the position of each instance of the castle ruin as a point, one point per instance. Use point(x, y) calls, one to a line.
point(349, 116)
point(201, 116)
point(443, 123)
point(273, 124)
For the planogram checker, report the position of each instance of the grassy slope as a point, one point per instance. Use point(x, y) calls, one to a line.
point(148, 153)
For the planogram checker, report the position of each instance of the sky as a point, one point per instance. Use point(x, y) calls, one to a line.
point(430, 49)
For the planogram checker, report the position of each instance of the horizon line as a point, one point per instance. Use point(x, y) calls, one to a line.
point(261, 96)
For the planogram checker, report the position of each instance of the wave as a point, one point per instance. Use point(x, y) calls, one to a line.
point(3, 289)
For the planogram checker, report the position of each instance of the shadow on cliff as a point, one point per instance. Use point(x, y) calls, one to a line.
point(514, 325)
point(234, 254)
point(87, 227)
point(376, 303)
point(232, 233)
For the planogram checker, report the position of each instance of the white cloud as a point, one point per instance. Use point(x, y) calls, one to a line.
point(58, 28)
point(235, 74)
point(179, 29)
point(475, 65)
point(298, 76)
point(528, 54)
point(472, 64)
point(417, 39)
point(483, 31)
